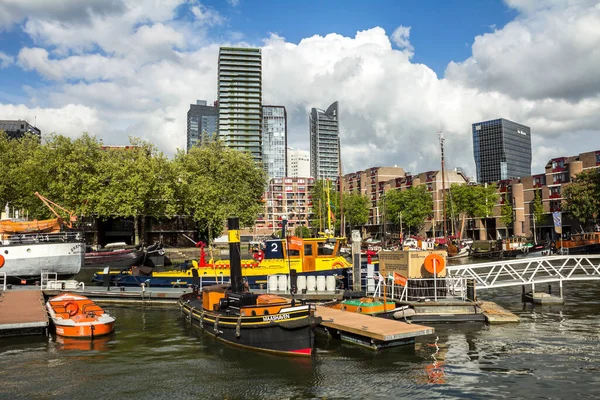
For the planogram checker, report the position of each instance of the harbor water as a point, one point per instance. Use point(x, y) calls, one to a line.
point(553, 353)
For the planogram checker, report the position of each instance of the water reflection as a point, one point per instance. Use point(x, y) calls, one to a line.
point(154, 353)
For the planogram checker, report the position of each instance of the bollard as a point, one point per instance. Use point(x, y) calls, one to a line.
point(471, 294)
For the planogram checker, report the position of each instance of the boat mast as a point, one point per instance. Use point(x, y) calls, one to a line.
point(342, 224)
point(441, 135)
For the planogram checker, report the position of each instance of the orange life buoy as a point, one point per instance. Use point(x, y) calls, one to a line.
point(71, 308)
point(1, 261)
point(434, 263)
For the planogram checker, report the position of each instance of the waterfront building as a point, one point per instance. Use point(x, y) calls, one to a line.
point(240, 99)
point(274, 141)
point(202, 122)
point(17, 128)
point(375, 182)
point(549, 186)
point(298, 163)
point(502, 150)
point(285, 198)
point(324, 142)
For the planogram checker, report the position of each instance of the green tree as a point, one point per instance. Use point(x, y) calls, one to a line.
point(302, 231)
point(21, 174)
point(506, 214)
point(537, 212)
point(356, 209)
point(413, 206)
point(475, 201)
point(218, 182)
point(582, 196)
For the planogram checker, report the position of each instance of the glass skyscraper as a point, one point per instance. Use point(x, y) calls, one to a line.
point(240, 99)
point(201, 123)
point(502, 150)
point(324, 143)
point(274, 141)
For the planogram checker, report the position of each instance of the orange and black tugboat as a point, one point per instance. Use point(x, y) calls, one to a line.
point(234, 315)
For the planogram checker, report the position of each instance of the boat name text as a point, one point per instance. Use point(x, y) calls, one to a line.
point(276, 317)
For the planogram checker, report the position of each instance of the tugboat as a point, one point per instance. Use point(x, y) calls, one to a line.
point(236, 316)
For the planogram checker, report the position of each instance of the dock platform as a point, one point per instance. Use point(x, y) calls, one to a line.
point(496, 314)
point(365, 330)
point(23, 312)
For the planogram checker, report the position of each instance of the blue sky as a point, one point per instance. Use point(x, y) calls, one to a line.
point(401, 70)
point(442, 31)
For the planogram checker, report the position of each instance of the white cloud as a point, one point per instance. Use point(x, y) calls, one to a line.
point(69, 120)
point(400, 37)
point(149, 68)
point(6, 60)
point(551, 51)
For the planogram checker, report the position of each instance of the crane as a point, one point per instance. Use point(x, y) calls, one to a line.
point(50, 203)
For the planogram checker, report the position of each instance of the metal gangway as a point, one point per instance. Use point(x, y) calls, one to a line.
point(529, 271)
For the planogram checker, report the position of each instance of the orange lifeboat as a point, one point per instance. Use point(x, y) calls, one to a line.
point(77, 316)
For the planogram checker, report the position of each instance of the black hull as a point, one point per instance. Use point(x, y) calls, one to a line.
point(114, 261)
point(293, 335)
point(587, 249)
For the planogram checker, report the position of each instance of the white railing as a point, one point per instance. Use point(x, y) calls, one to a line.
point(532, 271)
point(447, 288)
point(33, 238)
point(49, 281)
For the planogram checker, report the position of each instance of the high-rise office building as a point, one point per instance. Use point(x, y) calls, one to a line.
point(201, 123)
point(298, 162)
point(274, 141)
point(502, 150)
point(17, 128)
point(240, 99)
point(324, 142)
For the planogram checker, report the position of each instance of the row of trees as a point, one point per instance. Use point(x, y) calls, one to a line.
point(208, 183)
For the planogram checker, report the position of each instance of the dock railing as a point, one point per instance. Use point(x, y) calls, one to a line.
point(446, 288)
point(49, 281)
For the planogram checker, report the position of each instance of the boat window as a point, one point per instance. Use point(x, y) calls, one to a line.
point(325, 249)
point(308, 249)
point(293, 252)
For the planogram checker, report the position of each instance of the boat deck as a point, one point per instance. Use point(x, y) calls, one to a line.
point(22, 312)
point(369, 331)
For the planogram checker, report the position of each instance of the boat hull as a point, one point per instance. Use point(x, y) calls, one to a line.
point(119, 259)
point(290, 332)
point(84, 329)
point(185, 278)
point(27, 260)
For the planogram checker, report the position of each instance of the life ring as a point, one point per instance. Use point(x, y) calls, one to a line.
point(436, 259)
point(359, 310)
point(1, 261)
point(343, 307)
point(72, 308)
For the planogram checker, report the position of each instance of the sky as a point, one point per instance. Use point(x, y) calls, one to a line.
point(402, 70)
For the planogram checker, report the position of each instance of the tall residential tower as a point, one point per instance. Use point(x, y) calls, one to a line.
point(201, 123)
point(274, 141)
point(240, 99)
point(324, 142)
point(502, 150)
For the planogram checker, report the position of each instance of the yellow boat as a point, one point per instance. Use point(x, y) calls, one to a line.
point(307, 256)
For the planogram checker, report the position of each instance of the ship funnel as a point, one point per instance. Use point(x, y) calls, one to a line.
point(235, 263)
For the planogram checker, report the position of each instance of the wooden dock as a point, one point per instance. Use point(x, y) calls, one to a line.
point(496, 314)
point(22, 312)
point(365, 330)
